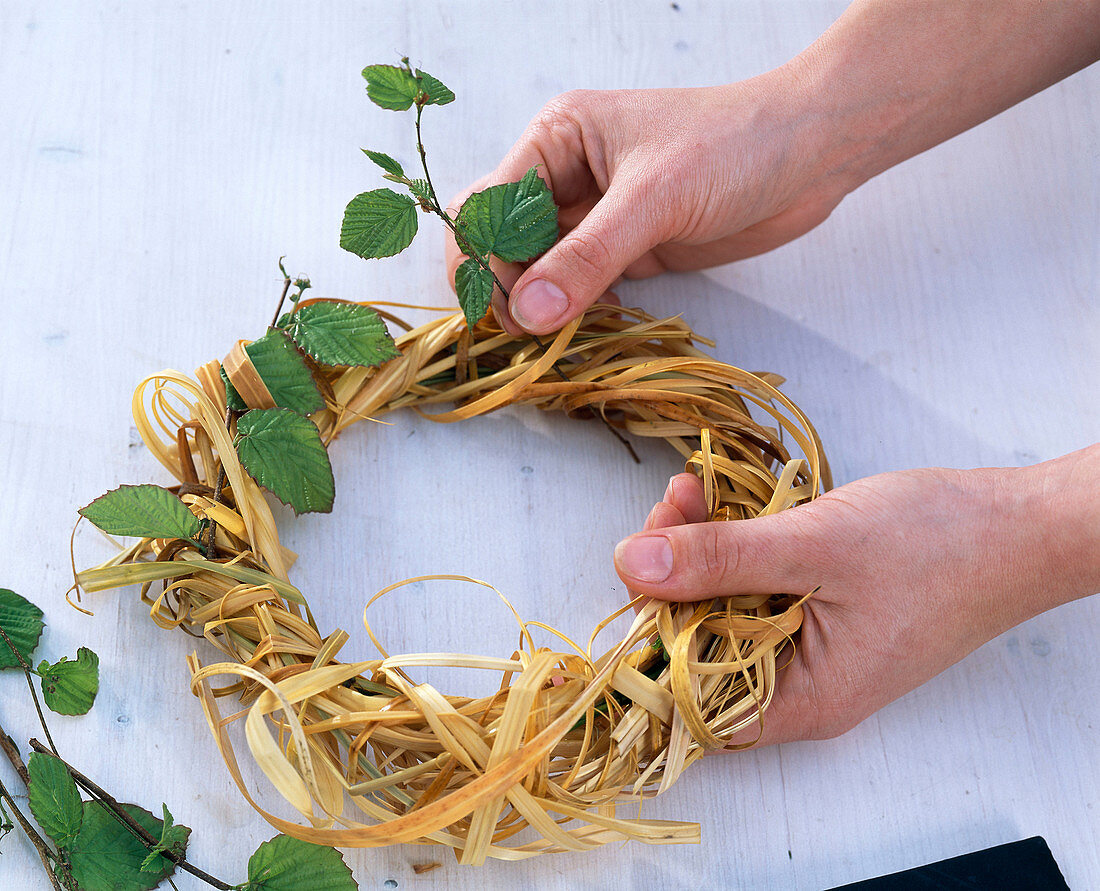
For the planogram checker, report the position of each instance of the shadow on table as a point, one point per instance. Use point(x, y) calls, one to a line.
point(868, 422)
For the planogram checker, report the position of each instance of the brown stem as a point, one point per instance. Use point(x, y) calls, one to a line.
point(218, 486)
point(279, 308)
point(136, 828)
point(30, 683)
point(11, 750)
point(44, 852)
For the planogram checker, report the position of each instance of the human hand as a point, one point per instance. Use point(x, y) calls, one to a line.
point(649, 180)
point(914, 570)
point(654, 180)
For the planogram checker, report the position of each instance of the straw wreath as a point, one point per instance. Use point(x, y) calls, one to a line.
point(368, 755)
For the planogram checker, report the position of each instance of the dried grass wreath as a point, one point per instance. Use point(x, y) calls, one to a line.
point(370, 756)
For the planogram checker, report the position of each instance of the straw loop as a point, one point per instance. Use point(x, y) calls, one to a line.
point(368, 755)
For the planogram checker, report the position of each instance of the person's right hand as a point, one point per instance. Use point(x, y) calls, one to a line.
point(649, 180)
point(654, 180)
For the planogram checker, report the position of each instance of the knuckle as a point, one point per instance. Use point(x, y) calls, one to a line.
point(559, 119)
point(587, 254)
point(719, 558)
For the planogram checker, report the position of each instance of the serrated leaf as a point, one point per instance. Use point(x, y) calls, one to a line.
point(474, 286)
point(173, 838)
point(285, 373)
point(378, 224)
point(341, 334)
point(145, 511)
point(70, 688)
point(290, 864)
point(106, 856)
point(22, 623)
point(513, 221)
point(385, 162)
point(54, 798)
point(283, 452)
point(421, 190)
point(433, 89)
point(233, 399)
point(391, 87)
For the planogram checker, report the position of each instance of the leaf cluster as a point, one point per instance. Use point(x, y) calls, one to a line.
point(513, 222)
point(96, 845)
point(68, 687)
point(279, 447)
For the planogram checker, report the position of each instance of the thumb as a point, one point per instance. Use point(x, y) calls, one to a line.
point(576, 271)
point(765, 555)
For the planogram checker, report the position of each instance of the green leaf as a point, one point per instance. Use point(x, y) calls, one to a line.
point(54, 798)
point(173, 839)
point(433, 89)
point(341, 334)
point(285, 373)
point(283, 452)
point(391, 87)
point(70, 688)
point(421, 190)
point(290, 864)
point(514, 221)
point(233, 399)
point(146, 511)
point(22, 623)
point(378, 224)
point(385, 162)
point(474, 286)
point(106, 856)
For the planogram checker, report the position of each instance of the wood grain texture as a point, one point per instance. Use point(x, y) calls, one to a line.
point(158, 159)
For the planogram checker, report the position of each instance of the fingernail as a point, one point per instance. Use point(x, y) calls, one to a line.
point(648, 558)
point(669, 493)
point(539, 305)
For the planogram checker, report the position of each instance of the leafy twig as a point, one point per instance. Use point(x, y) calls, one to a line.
point(30, 683)
point(119, 813)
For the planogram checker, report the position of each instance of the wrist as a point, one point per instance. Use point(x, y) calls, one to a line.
point(890, 80)
point(799, 154)
point(1036, 535)
point(1060, 501)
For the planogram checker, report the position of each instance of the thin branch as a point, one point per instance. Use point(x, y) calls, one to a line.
point(130, 823)
point(279, 308)
point(424, 162)
point(44, 852)
point(30, 683)
point(11, 750)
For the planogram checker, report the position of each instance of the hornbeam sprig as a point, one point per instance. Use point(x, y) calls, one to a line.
point(513, 222)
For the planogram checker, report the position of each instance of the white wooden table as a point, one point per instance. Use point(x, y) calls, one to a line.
point(157, 159)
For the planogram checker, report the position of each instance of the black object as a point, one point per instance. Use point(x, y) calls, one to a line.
point(1025, 865)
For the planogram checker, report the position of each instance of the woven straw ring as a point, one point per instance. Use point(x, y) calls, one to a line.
point(370, 757)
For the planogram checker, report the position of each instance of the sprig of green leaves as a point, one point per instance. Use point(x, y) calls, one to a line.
point(279, 448)
point(513, 222)
point(96, 847)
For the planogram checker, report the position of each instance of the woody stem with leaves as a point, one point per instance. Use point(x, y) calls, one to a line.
point(513, 222)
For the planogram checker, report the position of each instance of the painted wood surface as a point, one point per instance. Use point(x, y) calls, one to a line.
point(158, 159)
